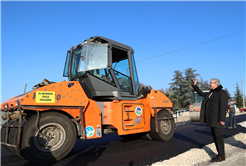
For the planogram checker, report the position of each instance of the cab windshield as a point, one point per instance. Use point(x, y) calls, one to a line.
point(87, 57)
point(94, 56)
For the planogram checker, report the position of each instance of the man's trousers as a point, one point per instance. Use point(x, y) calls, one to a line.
point(217, 134)
point(232, 119)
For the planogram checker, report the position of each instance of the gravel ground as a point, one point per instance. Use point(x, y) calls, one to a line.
point(235, 149)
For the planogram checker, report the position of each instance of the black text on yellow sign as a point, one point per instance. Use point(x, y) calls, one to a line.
point(45, 97)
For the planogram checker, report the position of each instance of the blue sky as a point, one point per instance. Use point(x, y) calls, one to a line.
point(35, 37)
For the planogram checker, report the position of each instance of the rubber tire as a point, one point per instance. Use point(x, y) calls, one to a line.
point(147, 137)
point(161, 136)
point(3, 135)
point(13, 137)
point(32, 153)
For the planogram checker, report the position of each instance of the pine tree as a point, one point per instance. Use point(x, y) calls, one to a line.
point(177, 87)
point(188, 81)
point(203, 85)
point(238, 97)
point(229, 95)
point(167, 92)
point(162, 91)
point(181, 89)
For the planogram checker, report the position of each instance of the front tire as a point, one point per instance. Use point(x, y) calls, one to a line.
point(50, 140)
point(4, 132)
point(166, 127)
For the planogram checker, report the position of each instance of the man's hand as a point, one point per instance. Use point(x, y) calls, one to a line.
point(222, 123)
point(195, 81)
point(104, 78)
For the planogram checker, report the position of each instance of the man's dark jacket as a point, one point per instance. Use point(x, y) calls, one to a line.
point(213, 109)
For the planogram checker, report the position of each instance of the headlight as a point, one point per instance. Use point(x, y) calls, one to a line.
point(6, 105)
point(17, 102)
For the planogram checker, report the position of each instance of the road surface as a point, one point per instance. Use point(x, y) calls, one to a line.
point(113, 150)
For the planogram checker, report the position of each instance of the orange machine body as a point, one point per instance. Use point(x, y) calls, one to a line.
point(131, 117)
point(196, 109)
point(127, 116)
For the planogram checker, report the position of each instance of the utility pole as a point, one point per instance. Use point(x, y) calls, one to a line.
point(243, 94)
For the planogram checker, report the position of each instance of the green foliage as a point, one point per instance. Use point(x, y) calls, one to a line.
point(162, 90)
point(238, 97)
point(181, 88)
point(188, 89)
point(167, 92)
point(229, 95)
point(203, 85)
point(177, 87)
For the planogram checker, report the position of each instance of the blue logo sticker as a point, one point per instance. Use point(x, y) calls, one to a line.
point(89, 131)
point(138, 111)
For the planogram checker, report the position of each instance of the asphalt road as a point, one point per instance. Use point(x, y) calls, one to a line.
point(113, 150)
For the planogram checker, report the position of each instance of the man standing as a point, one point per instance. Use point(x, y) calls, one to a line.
point(213, 113)
point(231, 112)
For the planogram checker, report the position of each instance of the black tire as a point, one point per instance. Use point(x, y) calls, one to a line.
point(166, 127)
point(13, 137)
point(4, 131)
point(53, 139)
point(146, 136)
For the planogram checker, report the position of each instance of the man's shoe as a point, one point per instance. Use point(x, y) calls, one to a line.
point(234, 127)
point(214, 158)
point(230, 127)
point(218, 159)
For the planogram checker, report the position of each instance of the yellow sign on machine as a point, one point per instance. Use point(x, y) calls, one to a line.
point(45, 97)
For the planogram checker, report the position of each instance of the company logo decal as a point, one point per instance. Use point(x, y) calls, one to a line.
point(89, 131)
point(138, 111)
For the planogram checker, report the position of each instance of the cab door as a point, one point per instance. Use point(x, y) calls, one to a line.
point(133, 116)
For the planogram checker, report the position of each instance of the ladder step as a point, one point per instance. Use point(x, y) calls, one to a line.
point(130, 125)
point(128, 119)
point(129, 110)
